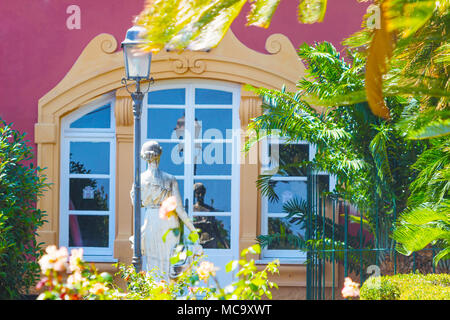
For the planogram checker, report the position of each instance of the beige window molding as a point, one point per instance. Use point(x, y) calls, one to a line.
point(99, 70)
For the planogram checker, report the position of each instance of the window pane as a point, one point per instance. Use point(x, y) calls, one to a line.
point(284, 228)
point(215, 122)
point(287, 191)
point(213, 159)
point(209, 96)
point(99, 118)
point(323, 183)
point(165, 123)
point(168, 96)
point(88, 231)
point(181, 189)
point(172, 158)
point(212, 196)
point(89, 157)
point(289, 154)
point(89, 194)
point(215, 231)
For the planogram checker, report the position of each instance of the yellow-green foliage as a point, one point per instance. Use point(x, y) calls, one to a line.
point(407, 287)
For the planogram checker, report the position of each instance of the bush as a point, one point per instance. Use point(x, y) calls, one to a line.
point(20, 186)
point(407, 287)
point(70, 278)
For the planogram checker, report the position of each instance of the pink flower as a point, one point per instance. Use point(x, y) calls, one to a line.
point(41, 283)
point(75, 260)
point(351, 289)
point(193, 290)
point(75, 278)
point(55, 259)
point(168, 208)
point(206, 269)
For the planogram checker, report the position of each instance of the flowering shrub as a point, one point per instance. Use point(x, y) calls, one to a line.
point(206, 269)
point(69, 277)
point(199, 281)
point(150, 286)
point(351, 289)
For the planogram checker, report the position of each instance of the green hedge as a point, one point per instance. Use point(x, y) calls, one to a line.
point(21, 185)
point(407, 287)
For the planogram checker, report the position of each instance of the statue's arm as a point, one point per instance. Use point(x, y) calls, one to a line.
point(132, 196)
point(180, 208)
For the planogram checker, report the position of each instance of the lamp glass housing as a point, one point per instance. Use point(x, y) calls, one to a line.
point(137, 62)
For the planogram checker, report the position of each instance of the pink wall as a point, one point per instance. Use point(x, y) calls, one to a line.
point(37, 49)
point(343, 18)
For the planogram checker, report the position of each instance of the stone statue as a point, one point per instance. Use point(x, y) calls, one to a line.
point(157, 186)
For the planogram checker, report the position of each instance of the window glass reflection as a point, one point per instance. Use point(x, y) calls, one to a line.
point(284, 228)
point(88, 231)
point(99, 119)
point(287, 154)
point(287, 191)
point(165, 123)
point(215, 231)
point(215, 122)
point(212, 196)
point(168, 96)
point(172, 158)
point(213, 159)
point(89, 194)
point(89, 157)
point(213, 97)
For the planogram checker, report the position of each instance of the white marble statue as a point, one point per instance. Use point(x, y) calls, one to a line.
point(157, 186)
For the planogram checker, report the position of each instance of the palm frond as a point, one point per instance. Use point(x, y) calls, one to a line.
point(423, 225)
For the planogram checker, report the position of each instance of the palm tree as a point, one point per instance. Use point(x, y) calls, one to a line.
point(370, 157)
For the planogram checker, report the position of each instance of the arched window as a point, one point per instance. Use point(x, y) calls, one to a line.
point(87, 179)
point(197, 124)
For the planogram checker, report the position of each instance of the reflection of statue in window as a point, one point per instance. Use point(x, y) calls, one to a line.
point(180, 134)
point(213, 233)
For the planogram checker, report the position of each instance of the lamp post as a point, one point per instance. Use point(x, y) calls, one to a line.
point(137, 68)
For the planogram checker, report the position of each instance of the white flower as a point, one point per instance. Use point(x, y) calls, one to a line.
point(206, 269)
point(55, 259)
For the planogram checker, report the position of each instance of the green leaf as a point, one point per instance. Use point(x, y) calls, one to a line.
point(174, 259)
point(165, 235)
point(434, 129)
point(193, 236)
point(261, 12)
point(311, 11)
point(444, 254)
point(255, 249)
point(232, 265)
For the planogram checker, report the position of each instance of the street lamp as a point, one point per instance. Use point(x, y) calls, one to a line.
point(137, 68)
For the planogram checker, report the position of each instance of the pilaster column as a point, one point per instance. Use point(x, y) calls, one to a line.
point(124, 175)
point(249, 194)
point(45, 137)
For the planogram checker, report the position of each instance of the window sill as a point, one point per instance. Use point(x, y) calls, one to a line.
point(100, 259)
point(283, 261)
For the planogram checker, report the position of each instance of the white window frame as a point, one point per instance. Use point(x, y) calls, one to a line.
point(190, 85)
point(94, 254)
point(293, 256)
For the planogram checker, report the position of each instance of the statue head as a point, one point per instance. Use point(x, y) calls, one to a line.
point(199, 191)
point(151, 152)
